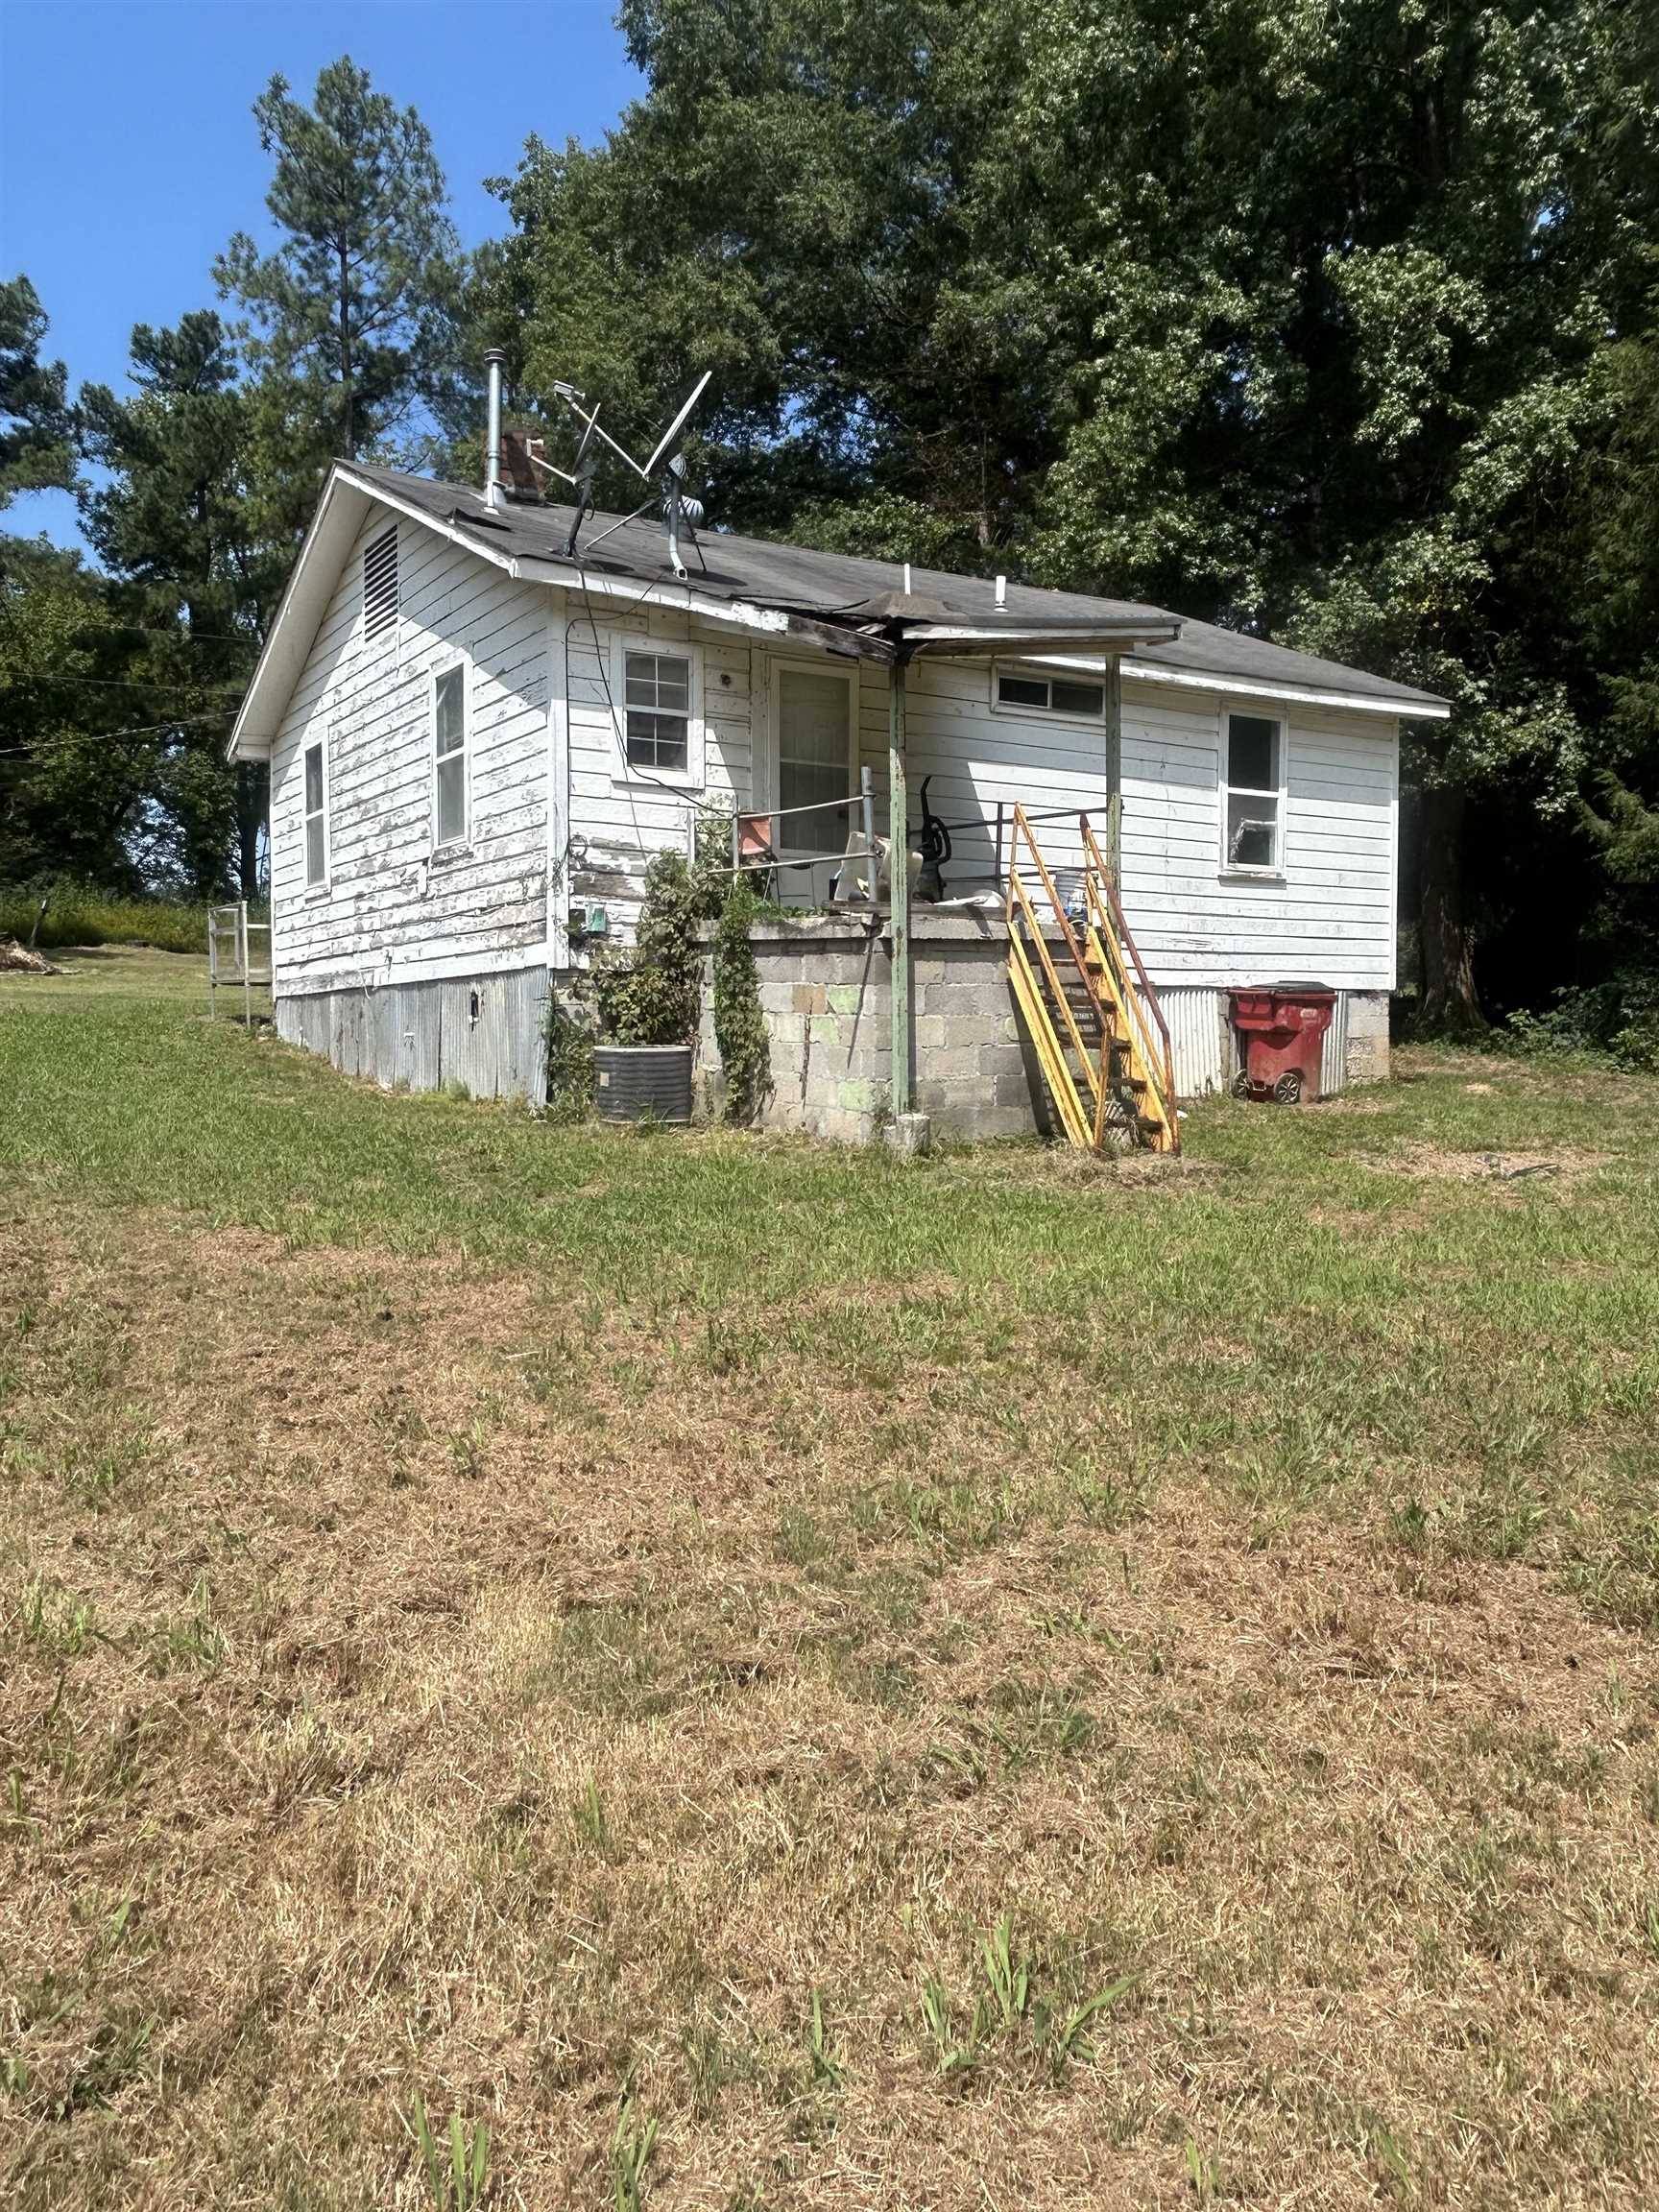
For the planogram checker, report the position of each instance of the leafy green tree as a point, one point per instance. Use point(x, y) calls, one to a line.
point(37, 453)
point(350, 316)
point(77, 762)
point(179, 525)
point(1286, 318)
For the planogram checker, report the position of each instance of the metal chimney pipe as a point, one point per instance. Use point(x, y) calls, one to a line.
point(494, 496)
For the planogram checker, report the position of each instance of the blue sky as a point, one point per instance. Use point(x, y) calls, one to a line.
point(128, 155)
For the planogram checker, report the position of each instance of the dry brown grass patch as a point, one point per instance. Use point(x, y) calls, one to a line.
point(477, 1707)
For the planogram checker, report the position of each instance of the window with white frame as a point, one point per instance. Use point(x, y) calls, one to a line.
point(1040, 692)
point(656, 710)
point(449, 757)
point(316, 818)
point(1254, 793)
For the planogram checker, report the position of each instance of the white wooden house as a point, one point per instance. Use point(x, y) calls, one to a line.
point(477, 739)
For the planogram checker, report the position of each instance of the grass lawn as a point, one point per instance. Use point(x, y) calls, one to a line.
point(750, 1676)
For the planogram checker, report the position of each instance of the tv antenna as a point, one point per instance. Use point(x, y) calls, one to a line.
point(665, 472)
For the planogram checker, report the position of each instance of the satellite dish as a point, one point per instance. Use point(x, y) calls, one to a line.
point(677, 425)
point(677, 512)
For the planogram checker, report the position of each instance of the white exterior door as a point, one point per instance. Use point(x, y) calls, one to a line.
point(814, 764)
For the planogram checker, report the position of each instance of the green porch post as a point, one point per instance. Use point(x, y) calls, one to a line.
point(898, 888)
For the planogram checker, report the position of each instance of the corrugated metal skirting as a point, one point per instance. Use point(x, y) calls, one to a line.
point(1333, 1066)
point(1198, 1038)
point(482, 1032)
point(1205, 1052)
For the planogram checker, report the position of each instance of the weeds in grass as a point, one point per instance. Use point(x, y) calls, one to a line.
point(1203, 2171)
point(1070, 2038)
point(827, 2069)
point(589, 1817)
point(1007, 2005)
point(192, 1639)
point(955, 2056)
point(631, 2144)
point(459, 2181)
point(56, 1622)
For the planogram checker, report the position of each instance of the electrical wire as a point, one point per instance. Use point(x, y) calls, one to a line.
point(114, 737)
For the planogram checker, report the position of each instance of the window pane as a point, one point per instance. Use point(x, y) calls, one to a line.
point(314, 870)
point(1253, 751)
point(657, 741)
point(450, 717)
point(658, 680)
point(1076, 698)
point(1252, 832)
point(452, 800)
point(313, 778)
point(1022, 690)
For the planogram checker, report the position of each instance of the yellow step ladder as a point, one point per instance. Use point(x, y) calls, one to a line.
point(1087, 1004)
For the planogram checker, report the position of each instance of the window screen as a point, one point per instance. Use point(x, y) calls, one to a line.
point(657, 704)
point(814, 747)
point(380, 584)
point(449, 748)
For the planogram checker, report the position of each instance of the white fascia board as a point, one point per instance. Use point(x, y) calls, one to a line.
point(244, 742)
point(1243, 686)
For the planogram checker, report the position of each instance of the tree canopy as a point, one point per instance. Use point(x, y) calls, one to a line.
point(1337, 324)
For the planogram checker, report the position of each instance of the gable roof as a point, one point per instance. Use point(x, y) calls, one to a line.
point(839, 600)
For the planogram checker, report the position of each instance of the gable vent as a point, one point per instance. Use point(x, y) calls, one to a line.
point(380, 584)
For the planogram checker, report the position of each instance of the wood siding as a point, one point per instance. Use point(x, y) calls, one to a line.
point(481, 908)
point(619, 818)
point(1330, 920)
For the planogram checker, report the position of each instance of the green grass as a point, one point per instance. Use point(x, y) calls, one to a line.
point(1295, 1312)
point(730, 1667)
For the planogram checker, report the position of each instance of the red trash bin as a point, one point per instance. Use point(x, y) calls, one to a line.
point(1282, 1035)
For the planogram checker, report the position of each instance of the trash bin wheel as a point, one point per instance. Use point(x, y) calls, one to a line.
point(1241, 1084)
point(1288, 1088)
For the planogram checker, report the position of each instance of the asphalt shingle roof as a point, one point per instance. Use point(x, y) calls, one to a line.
point(841, 587)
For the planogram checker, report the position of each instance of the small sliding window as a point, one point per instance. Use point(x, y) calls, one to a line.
point(1034, 691)
point(449, 757)
point(316, 818)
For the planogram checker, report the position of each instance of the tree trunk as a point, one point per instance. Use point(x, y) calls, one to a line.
point(251, 783)
point(1449, 1001)
point(348, 405)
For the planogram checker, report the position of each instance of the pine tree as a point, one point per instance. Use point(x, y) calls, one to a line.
point(36, 449)
point(179, 527)
point(351, 315)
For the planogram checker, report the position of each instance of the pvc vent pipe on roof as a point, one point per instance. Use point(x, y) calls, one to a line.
point(493, 496)
point(1001, 591)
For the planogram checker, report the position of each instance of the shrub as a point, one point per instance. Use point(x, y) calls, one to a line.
point(80, 914)
point(1618, 1020)
point(739, 1025)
